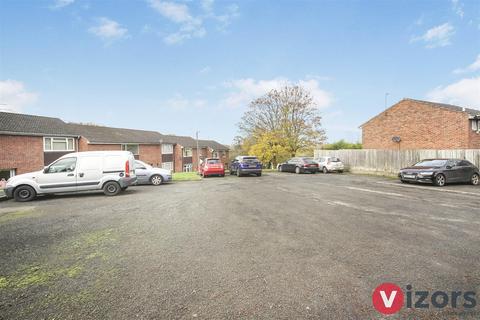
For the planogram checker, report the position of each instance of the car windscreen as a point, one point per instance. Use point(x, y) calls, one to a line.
point(431, 163)
point(335, 160)
point(213, 161)
point(249, 159)
point(308, 160)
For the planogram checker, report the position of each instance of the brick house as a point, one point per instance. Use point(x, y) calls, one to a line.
point(145, 145)
point(27, 143)
point(416, 124)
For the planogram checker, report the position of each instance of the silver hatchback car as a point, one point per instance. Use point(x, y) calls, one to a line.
point(146, 174)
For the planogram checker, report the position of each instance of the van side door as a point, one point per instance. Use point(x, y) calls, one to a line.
point(89, 172)
point(59, 176)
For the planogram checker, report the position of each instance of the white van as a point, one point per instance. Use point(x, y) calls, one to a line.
point(110, 171)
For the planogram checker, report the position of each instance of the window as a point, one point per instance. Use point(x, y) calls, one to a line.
point(133, 148)
point(187, 167)
point(167, 148)
point(62, 165)
point(475, 125)
point(187, 152)
point(58, 144)
point(167, 165)
point(215, 154)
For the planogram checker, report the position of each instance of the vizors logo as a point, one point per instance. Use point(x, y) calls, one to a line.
point(389, 298)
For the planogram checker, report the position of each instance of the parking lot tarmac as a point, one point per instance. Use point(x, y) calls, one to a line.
point(280, 246)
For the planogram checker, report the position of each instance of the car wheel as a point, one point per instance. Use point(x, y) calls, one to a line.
point(475, 179)
point(111, 188)
point(259, 174)
point(297, 170)
point(324, 170)
point(156, 180)
point(232, 172)
point(280, 169)
point(24, 193)
point(440, 180)
point(404, 181)
point(340, 171)
point(239, 174)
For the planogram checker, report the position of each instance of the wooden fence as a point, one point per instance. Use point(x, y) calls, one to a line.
point(389, 162)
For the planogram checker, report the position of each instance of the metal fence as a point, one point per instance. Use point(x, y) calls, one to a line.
point(390, 161)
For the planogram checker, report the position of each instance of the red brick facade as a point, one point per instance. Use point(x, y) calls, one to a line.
point(419, 126)
point(151, 154)
point(22, 153)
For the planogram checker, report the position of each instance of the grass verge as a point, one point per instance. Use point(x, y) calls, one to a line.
point(186, 176)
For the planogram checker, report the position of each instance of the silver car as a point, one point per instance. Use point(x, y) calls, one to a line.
point(330, 164)
point(146, 174)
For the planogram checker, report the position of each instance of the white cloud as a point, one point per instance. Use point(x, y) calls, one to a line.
point(191, 25)
point(438, 36)
point(61, 3)
point(14, 96)
point(458, 8)
point(465, 92)
point(205, 70)
point(180, 102)
point(243, 91)
point(475, 66)
point(108, 30)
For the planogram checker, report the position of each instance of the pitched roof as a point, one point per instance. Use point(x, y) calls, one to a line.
point(212, 144)
point(469, 111)
point(101, 134)
point(25, 124)
point(184, 141)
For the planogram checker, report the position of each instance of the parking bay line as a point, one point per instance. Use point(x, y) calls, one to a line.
point(432, 189)
point(378, 192)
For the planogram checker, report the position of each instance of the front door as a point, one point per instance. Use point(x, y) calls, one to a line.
point(60, 176)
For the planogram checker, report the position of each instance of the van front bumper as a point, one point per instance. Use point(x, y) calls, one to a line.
point(9, 192)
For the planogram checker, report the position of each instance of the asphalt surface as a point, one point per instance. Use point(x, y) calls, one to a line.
point(280, 246)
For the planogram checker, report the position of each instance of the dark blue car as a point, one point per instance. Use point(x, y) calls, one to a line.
point(245, 165)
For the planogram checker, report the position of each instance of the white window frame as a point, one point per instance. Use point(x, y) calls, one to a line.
point(65, 139)
point(475, 125)
point(167, 148)
point(187, 151)
point(188, 167)
point(167, 165)
point(125, 145)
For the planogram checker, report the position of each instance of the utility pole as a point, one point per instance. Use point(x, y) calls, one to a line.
point(386, 95)
point(198, 153)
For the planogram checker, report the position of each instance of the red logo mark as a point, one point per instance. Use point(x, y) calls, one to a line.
point(387, 298)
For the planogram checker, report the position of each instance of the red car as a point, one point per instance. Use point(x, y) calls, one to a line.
point(212, 167)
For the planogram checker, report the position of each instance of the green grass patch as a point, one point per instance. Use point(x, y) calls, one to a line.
point(186, 176)
point(8, 214)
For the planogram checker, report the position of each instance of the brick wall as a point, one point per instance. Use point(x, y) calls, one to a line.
point(151, 154)
point(474, 138)
point(23, 153)
point(177, 158)
point(420, 126)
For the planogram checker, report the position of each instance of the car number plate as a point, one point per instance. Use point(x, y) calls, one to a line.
point(409, 176)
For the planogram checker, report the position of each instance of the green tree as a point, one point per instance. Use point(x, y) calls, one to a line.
point(286, 120)
point(342, 144)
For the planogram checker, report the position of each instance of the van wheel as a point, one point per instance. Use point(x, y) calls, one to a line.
point(156, 180)
point(111, 188)
point(24, 193)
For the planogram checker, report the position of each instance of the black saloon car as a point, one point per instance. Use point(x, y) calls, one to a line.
point(299, 165)
point(441, 171)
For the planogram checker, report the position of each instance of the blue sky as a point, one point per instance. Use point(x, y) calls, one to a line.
point(181, 66)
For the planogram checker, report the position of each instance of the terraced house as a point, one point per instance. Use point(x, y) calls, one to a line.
point(29, 142)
